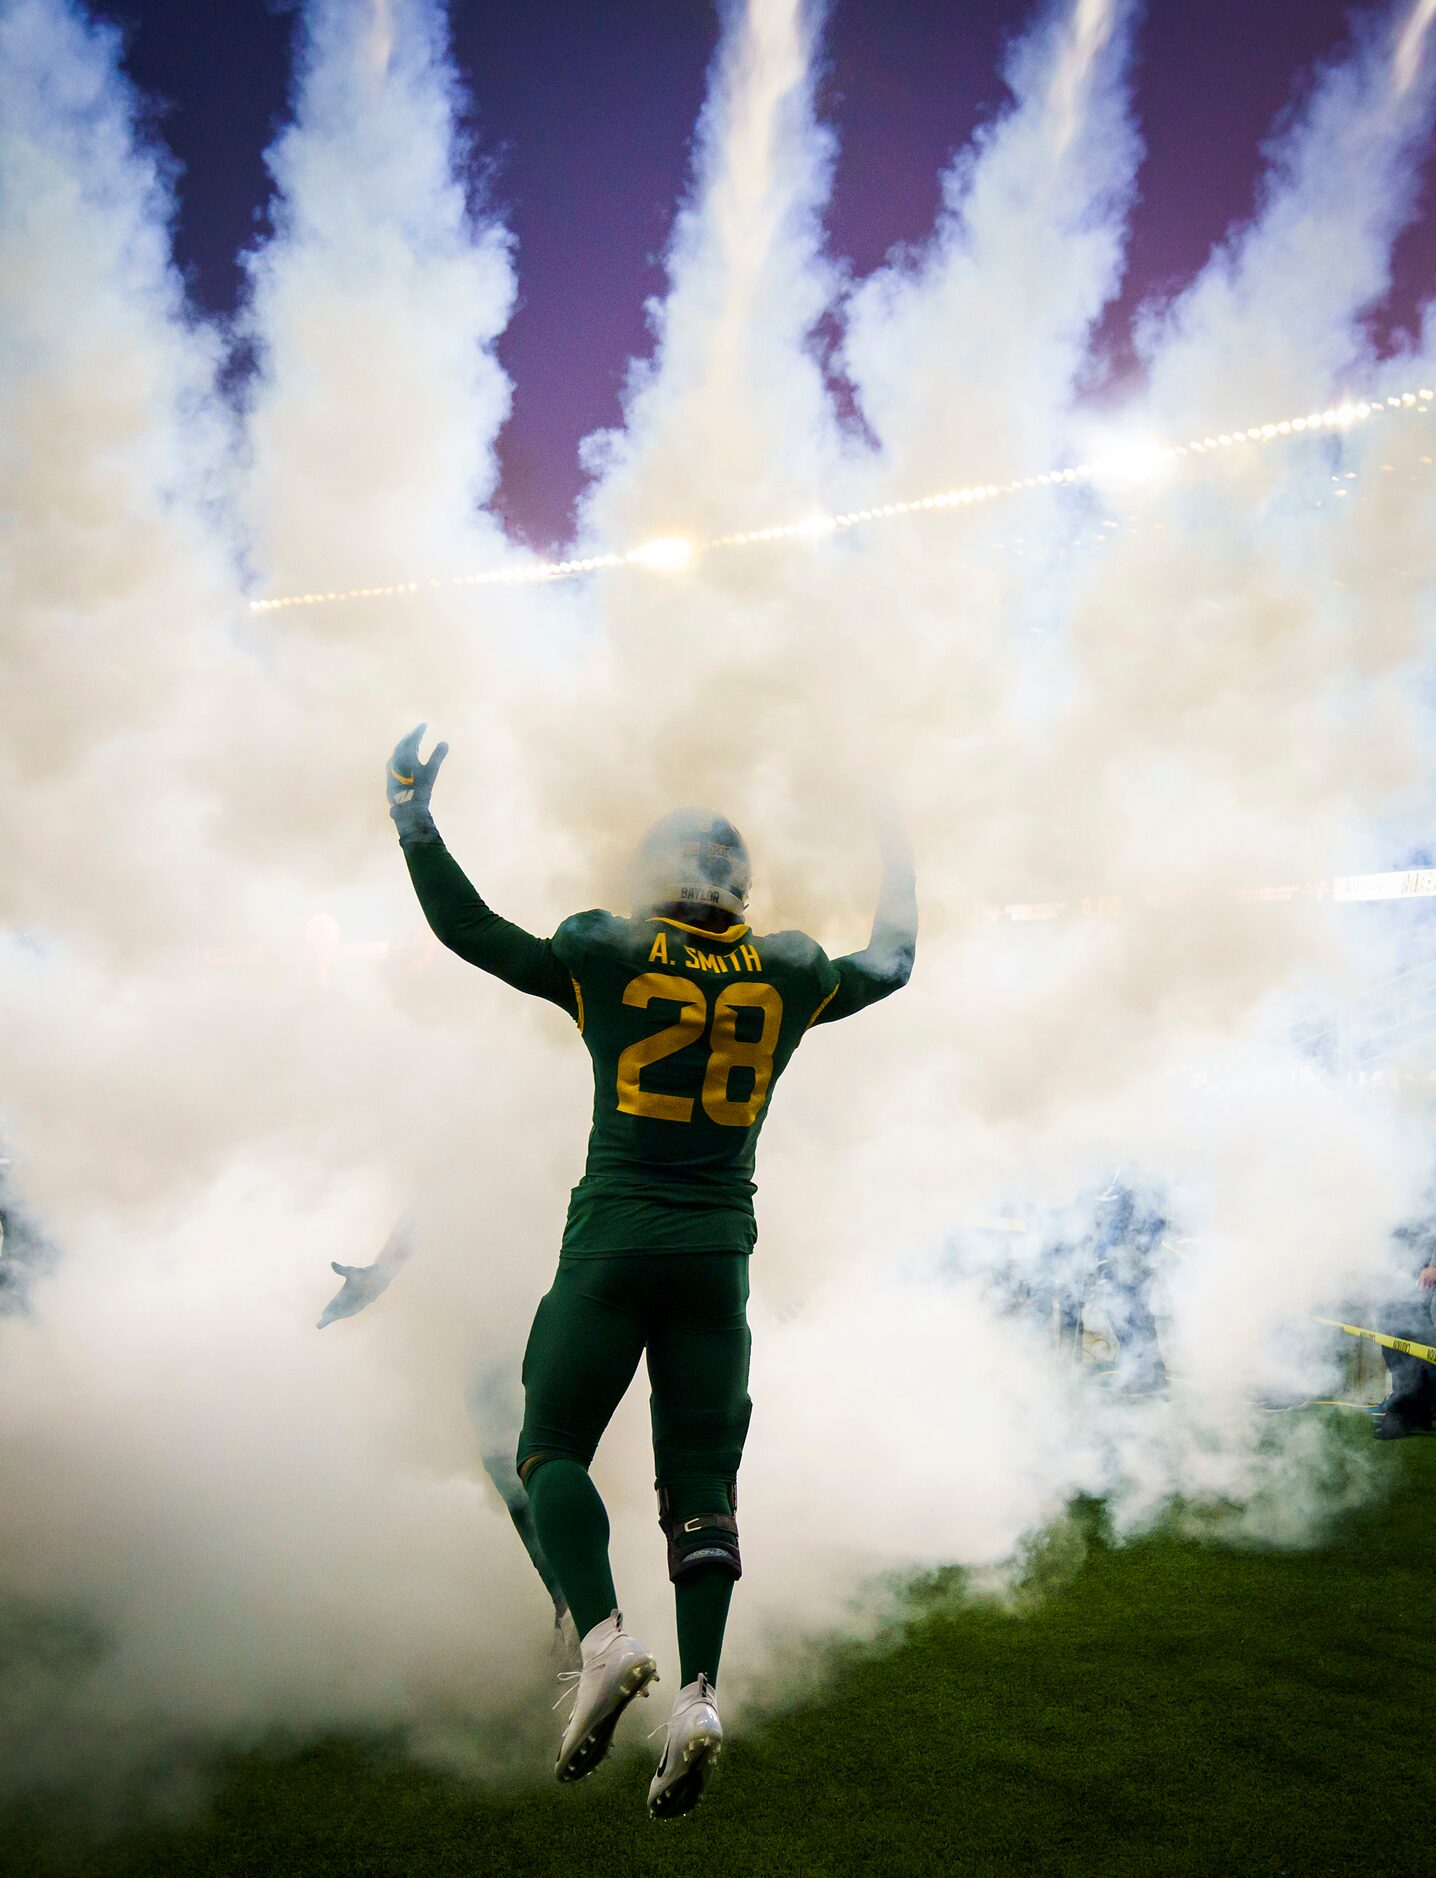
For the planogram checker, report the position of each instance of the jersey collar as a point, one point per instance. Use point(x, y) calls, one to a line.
point(731, 937)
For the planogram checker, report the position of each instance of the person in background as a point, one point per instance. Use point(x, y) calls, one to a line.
point(1061, 1278)
point(1410, 1408)
point(1128, 1229)
point(23, 1248)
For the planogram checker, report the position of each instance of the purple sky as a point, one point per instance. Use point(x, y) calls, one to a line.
point(585, 110)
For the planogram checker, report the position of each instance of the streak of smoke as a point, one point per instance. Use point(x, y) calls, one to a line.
point(1278, 308)
point(107, 450)
point(988, 298)
point(375, 309)
point(222, 1514)
point(729, 423)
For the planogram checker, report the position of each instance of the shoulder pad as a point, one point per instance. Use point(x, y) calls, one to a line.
point(581, 932)
point(794, 949)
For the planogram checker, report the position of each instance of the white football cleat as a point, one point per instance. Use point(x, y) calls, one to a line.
point(695, 1737)
point(616, 1667)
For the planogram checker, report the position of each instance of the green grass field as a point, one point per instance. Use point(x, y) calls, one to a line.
point(1166, 1706)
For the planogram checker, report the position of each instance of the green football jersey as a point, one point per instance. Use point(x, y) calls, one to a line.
point(688, 1031)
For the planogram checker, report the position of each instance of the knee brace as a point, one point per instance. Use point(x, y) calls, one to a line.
point(704, 1539)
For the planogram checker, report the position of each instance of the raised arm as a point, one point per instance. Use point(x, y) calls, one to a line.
point(885, 963)
point(452, 904)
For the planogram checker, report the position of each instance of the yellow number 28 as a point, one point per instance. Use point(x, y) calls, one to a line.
point(727, 1051)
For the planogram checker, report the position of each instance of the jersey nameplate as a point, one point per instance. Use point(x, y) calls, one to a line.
point(742, 958)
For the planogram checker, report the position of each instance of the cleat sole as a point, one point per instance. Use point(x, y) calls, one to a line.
point(594, 1745)
point(683, 1794)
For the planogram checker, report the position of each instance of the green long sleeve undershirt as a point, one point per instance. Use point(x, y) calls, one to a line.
point(461, 920)
point(885, 963)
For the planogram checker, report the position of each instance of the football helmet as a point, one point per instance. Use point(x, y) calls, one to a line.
point(692, 858)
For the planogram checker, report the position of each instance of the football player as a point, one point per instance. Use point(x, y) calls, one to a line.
point(690, 1018)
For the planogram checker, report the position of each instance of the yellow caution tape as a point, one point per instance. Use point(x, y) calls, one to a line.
point(1424, 1350)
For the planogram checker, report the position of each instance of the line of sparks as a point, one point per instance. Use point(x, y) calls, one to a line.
point(672, 554)
point(1412, 883)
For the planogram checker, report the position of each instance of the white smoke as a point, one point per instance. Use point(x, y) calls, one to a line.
point(1026, 254)
point(375, 309)
point(109, 447)
point(730, 421)
point(231, 1055)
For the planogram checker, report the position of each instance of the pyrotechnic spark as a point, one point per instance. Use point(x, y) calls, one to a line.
point(1126, 463)
point(669, 554)
point(1412, 883)
point(1126, 460)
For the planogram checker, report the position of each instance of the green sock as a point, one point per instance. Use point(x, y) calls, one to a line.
point(572, 1528)
point(702, 1597)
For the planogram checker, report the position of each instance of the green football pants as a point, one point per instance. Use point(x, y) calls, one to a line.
point(688, 1311)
